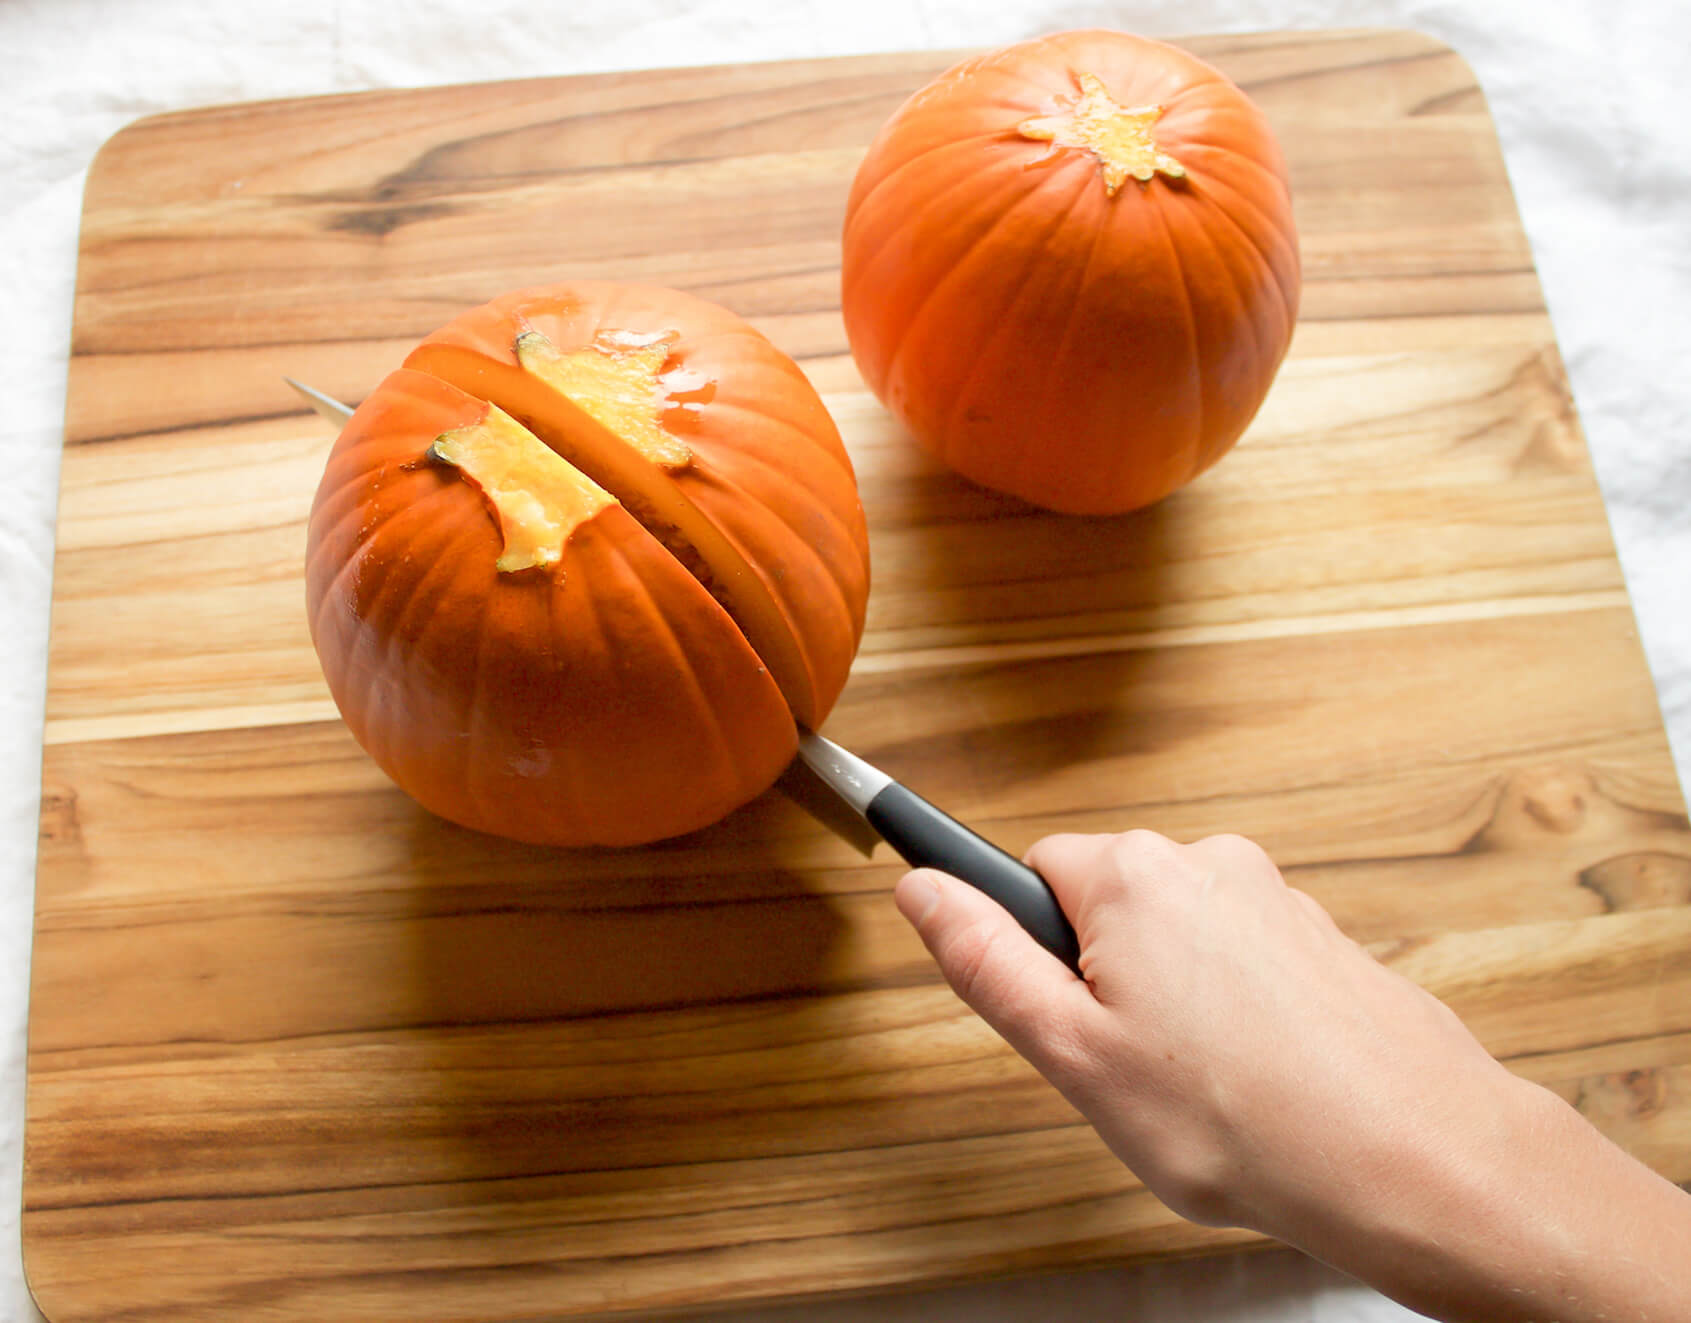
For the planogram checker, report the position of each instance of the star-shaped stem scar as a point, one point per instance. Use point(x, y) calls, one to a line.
point(1119, 136)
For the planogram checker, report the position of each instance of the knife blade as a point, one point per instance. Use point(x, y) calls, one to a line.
point(328, 408)
point(922, 834)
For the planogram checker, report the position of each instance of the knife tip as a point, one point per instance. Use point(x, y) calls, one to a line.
point(326, 407)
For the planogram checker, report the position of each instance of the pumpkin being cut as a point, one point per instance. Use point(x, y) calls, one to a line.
point(578, 567)
point(1070, 268)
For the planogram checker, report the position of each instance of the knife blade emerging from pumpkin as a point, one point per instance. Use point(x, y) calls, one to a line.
point(921, 833)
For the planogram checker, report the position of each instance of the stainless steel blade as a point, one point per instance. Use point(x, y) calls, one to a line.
point(854, 780)
point(329, 409)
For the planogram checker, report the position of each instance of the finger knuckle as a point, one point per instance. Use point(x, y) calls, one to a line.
point(1142, 852)
point(1240, 848)
point(1314, 908)
point(1148, 868)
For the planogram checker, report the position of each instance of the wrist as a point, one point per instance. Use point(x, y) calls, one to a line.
point(1518, 1210)
point(1433, 1209)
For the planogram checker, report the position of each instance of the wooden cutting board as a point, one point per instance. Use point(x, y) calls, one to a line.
point(299, 1051)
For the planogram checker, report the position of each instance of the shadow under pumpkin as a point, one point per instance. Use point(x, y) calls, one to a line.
point(726, 995)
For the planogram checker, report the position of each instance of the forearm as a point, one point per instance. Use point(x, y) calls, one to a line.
point(1255, 1067)
point(1531, 1215)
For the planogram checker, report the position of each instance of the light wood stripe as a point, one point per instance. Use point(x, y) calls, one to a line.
point(185, 721)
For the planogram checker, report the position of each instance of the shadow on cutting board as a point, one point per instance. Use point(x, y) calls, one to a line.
point(738, 1023)
point(509, 934)
point(1006, 643)
point(600, 1010)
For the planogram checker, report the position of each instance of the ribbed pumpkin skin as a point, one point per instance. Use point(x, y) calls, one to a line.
point(769, 468)
point(1085, 352)
point(606, 699)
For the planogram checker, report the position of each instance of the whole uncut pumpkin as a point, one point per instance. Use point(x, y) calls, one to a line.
point(576, 568)
point(1070, 268)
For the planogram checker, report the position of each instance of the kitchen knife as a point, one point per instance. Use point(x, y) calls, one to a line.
point(927, 837)
point(923, 835)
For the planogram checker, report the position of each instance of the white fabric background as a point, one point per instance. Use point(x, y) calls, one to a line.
point(1590, 99)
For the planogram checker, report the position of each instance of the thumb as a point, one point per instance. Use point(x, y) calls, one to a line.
point(1018, 987)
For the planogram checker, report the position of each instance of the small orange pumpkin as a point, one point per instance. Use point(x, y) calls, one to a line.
point(1070, 268)
point(573, 571)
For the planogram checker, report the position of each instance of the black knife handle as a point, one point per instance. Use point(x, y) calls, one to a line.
point(929, 838)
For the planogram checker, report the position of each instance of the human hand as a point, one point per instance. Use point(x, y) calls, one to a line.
point(1255, 1067)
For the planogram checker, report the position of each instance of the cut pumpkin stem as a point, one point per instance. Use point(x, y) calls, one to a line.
point(616, 380)
point(538, 497)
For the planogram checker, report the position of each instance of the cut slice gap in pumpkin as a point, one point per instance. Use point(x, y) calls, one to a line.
point(636, 470)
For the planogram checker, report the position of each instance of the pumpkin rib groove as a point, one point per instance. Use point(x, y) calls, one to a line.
point(925, 157)
point(1238, 314)
point(988, 204)
point(1273, 264)
point(1288, 303)
point(827, 576)
point(360, 548)
point(545, 658)
point(343, 495)
point(470, 779)
point(945, 285)
point(1066, 344)
point(1204, 97)
point(1236, 157)
point(444, 554)
point(1006, 178)
point(768, 466)
point(584, 619)
point(445, 565)
point(1005, 322)
point(837, 590)
point(732, 580)
point(805, 436)
point(843, 469)
point(724, 749)
point(397, 590)
point(373, 741)
point(719, 471)
point(1195, 418)
point(766, 362)
point(554, 668)
point(356, 509)
point(1237, 263)
point(1266, 266)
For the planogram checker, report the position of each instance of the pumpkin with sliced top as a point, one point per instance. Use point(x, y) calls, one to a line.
point(1070, 268)
point(575, 571)
point(714, 435)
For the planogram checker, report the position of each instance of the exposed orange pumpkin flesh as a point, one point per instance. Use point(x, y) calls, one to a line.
point(1119, 136)
point(617, 379)
point(643, 485)
point(538, 497)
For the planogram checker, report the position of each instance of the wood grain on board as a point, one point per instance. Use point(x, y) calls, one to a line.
point(299, 1050)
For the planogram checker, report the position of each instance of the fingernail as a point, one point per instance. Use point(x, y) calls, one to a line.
point(916, 895)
